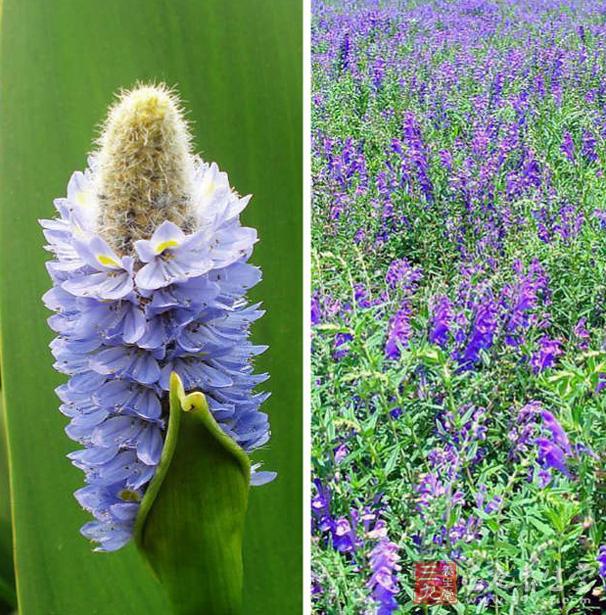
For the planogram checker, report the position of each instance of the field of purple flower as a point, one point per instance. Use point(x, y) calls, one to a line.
point(459, 304)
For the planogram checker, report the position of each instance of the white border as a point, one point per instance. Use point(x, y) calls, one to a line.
point(306, 307)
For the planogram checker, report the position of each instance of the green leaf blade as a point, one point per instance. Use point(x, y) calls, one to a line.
point(191, 523)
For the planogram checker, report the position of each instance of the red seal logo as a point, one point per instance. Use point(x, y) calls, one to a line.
point(435, 583)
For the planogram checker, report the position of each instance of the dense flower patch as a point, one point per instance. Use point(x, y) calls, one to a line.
point(458, 303)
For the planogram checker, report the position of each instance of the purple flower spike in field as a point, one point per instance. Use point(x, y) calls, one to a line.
point(458, 222)
point(384, 565)
point(601, 559)
point(149, 277)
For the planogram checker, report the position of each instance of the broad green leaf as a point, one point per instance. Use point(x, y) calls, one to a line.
point(191, 522)
point(8, 597)
point(237, 65)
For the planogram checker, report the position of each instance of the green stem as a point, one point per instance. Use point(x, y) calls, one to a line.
point(560, 580)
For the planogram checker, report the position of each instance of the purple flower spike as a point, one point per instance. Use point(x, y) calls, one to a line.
point(384, 565)
point(482, 333)
point(399, 332)
point(552, 456)
point(545, 357)
point(149, 276)
point(601, 559)
point(401, 274)
point(441, 321)
point(582, 334)
point(567, 146)
point(558, 434)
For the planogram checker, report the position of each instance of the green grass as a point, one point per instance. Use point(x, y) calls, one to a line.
point(237, 65)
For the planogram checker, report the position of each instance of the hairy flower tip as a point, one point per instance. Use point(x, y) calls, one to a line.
point(144, 167)
point(176, 302)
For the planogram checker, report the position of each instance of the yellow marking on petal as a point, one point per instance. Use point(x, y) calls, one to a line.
point(171, 243)
point(108, 261)
point(128, 495)
point(83, 198)
point(209, 189)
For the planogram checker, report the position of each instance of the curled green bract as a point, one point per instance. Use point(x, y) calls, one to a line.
point(191, 520)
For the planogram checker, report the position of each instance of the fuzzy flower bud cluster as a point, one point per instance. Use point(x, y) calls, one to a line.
point(149, 276)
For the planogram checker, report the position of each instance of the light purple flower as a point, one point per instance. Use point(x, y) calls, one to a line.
point(125, 322)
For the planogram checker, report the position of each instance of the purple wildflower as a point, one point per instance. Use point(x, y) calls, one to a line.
point(396, 412)
point(378, 72)
point(482, 333)
point(430, 488)
point(398, 332)
point(441, 321)
point(582, 334)
point(556, 431)
point(401, 274)
point(383, 582)
point(345, 53)
point(550, 455)
point(588, 148)
point(316, 310)
point(544, 477)
point(567, 146)
point(494, 504)
point(361, 296)
point(547, 353)
point(601, 560)
point(340, 453)
point(418, 159)
point(521, 299)
point(600, 214)
point(344, 538)
point(320, 507)
point(340, 345)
